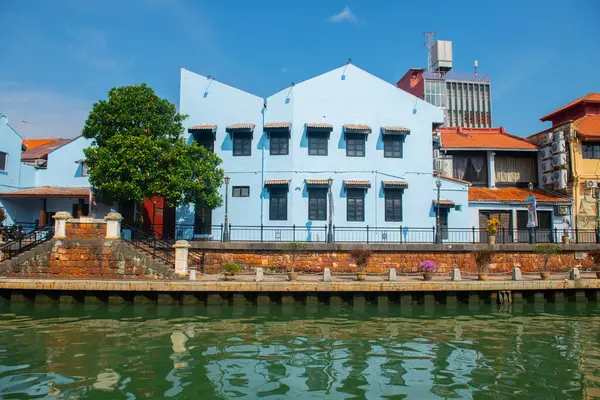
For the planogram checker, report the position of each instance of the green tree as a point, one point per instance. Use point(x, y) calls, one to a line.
point(138, 151)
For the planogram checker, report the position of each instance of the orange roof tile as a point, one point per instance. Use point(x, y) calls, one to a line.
point(33, 143)
point(394, 184)
point(482, 138)
point(50, 192)
point(203, 127)
point(357, 183)
point(242, 126)
point(273, 182)
point(588, 98)
point(357, 128)
point(444, 202)
point(278, 125)
point(512, 195)
point(395, 130)
point(588, 127)
point(43, 150)
point(319, 125)
point(317, 182)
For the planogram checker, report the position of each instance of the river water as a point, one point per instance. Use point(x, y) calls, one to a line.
point(86, 351)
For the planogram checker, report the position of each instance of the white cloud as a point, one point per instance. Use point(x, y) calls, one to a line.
point(48, 114)
point(344, 16)
point(283, 70)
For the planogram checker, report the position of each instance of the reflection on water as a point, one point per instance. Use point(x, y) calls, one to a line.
point(144, 352)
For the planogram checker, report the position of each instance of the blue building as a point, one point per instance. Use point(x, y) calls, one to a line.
point(36, 183)
point(345, 134)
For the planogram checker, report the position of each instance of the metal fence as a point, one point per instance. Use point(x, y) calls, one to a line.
point(367, 234)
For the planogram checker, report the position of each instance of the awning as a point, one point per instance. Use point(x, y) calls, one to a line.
point(357, 128)
point(444, 203)
point(395, 130)
point(357, 184)
point(320, 183)
point(319, 126)
point(48, 192)
point(240, 128)
point(204, 129)
point(395, 184)
point(284, 127)
point(277, 182)
point(80, 161)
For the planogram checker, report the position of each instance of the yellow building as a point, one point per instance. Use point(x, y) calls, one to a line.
point(570, 158)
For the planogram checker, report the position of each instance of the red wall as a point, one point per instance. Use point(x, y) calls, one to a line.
point(413, 83)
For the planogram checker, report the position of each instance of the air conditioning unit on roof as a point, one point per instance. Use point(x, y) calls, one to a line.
point(547, 138)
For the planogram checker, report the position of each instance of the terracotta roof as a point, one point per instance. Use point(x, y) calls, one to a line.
point(401, 184)
point(81, 161)
point(357, 128)
point(278, 125)
point(33, 143)
point(482, 138)
point(203, 127)
point(43, 150)
point(588, 98)
point(274, 182)
point(588, 127)
point(319, 125)
point(357, 183)
point(444, 202)
point(317, 182)
point(395, 130)
point(243, 126)
point(513, 195)
point(449, 178)
point(51, 192)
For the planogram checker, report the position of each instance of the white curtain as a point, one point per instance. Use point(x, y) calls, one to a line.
point(515, 169)
point(460, 167)
point(477, 162)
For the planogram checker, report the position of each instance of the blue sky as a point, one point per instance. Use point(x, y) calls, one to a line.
point(58, 57)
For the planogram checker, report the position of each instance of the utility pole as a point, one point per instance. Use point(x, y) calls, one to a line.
point(438, 232)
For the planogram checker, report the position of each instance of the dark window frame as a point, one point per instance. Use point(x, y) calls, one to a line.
point(279, 144)
point(355, 145)
point(206, 141)
point(393, 198)
point(3, 161)
point(242, 191)
point(471, 173)
point(318, 143)
point(278, 204)
point(317, 204)
point(242, 144)
point(355, 204)
point(393, 146)
point(590, 150)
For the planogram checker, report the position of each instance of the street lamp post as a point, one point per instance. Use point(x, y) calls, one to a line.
point(330, 219)
point(438, 232)
point(226, 227)
point(532, 217)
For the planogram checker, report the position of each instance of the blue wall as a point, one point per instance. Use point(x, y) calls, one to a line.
point(62, 170)
point(346, 95)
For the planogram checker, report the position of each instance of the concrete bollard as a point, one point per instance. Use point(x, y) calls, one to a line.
point(456, 274)
point(193, 274)
point(113, 225)
point(260, 275)
point(60, 224)
point(516, 274)
point(181, 257)
point(392, 275)
point(326, 275)
point(574, 274)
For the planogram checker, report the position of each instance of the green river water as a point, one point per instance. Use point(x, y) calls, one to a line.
point(86, 351)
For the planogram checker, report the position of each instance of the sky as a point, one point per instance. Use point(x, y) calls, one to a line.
point(57, 58)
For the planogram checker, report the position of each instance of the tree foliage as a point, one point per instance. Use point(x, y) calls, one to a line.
point(138, 151)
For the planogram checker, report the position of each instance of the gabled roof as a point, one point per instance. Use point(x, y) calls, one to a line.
point(30, 144)
point(483, 138)
point(588, 98)
point(44, 149)
point(50, 192)
point(588, 127)
point(512, 195)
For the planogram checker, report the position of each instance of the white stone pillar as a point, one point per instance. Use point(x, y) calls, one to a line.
point(113, 225)
point(574, 274)
point(456, 274)
point(193, 274)
point(326, 275)
point(516, 274)
point(392, 275)
point(60, 224)
point(260, 275)
point(181, 257)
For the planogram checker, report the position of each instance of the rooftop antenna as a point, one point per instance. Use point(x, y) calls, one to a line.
point(429, 36)
point(26, 128)
point(475, 65)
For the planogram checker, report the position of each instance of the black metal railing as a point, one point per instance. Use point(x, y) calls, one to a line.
point(368, 234)
point(24, 241)
point(149, 242)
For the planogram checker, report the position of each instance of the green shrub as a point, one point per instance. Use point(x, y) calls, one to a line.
point(546, 251)
point(231, 268)
point(361, 256)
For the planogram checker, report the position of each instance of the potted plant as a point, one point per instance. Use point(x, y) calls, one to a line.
point(361, 257)
point(483, 259)
point(294, 248)
point(546, 251)
point(230, 269)
point(428, 267)
point(492, 229)
point(595, 256)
